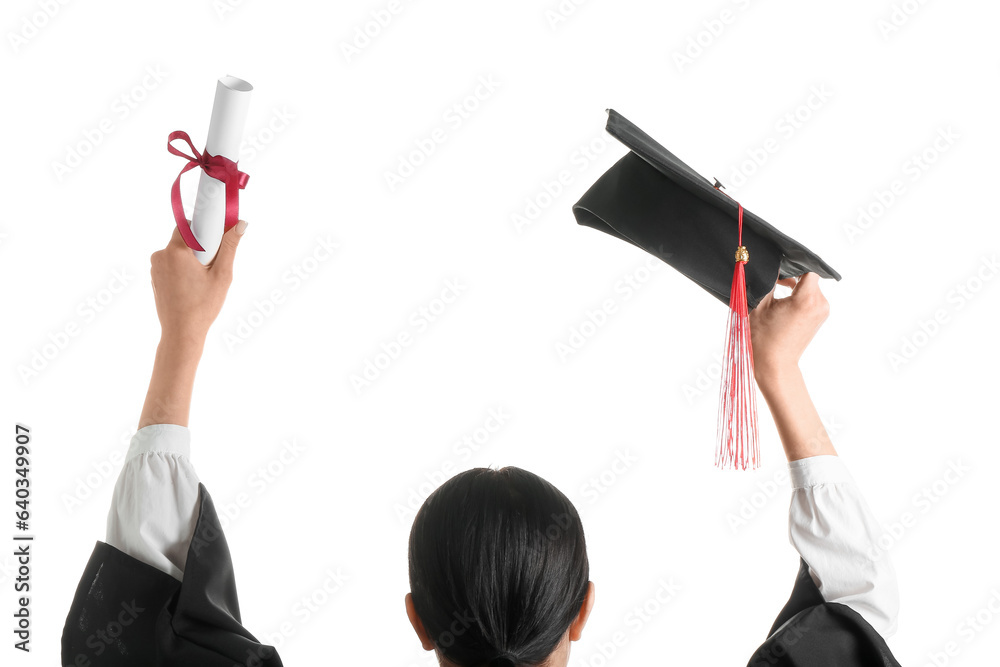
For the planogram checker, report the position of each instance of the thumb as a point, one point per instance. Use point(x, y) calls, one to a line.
point(808, 284)
point(227, 249)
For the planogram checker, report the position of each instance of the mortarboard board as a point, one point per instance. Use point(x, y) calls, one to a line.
point(653, 200)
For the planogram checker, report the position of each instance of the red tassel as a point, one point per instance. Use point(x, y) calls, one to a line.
point(737, 426)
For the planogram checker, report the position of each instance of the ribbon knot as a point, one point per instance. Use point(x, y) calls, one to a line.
point(218, 167)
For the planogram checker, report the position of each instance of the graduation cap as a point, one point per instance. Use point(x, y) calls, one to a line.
point(656, 202)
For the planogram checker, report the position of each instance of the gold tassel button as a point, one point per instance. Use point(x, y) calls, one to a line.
point(742, 254)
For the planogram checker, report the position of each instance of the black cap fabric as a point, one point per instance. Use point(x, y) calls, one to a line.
point(656, 202)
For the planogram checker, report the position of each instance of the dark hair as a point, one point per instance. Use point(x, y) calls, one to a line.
point(498, 567)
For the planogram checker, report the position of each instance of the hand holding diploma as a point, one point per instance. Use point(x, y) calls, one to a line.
point(216, 207)
point(188, 298)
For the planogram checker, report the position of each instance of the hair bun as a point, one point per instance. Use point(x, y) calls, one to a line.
point(504, 660)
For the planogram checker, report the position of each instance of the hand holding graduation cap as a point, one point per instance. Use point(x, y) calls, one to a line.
point(781, 330)
point(653, 200)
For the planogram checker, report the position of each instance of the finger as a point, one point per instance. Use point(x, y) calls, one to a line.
point(176, 241)
point(770, 296)
point(227, 249)
point(765, 301)
point(808, 284)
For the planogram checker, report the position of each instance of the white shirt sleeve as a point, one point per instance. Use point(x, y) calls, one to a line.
point(835, 532)
point(154, 506)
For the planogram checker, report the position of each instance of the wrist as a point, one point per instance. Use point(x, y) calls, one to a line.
point(183, 344)
point(168, 400)
point(771, 377)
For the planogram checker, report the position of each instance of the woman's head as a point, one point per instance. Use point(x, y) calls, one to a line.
point(498, 567)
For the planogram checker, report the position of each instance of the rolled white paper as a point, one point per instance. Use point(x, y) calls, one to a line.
point(225, 134)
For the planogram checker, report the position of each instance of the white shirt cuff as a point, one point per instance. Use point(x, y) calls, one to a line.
point(835, 533)
point(815, 470)
point(163, 438)
point(154, 506)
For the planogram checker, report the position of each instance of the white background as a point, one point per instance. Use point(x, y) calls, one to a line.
point(327, 129)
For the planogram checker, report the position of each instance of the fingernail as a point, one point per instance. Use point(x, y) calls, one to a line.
point(241, 227)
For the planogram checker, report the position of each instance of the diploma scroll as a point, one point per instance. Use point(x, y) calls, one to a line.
point(225, 134)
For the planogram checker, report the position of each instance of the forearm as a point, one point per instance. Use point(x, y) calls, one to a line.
point(168, 399)
point(799, 426)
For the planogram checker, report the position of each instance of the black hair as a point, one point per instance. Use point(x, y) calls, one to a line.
point(498, 567)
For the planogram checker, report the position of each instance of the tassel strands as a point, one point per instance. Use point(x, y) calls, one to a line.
point(737, 424)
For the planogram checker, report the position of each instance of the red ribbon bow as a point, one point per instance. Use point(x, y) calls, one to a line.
point(218, 167)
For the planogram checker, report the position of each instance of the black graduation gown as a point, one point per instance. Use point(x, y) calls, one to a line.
point(810, 632)
point(126, 612)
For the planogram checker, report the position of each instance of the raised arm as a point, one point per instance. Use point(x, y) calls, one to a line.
point(830, 524)
point(154, 506)
point(165, 552)
point(781, 329)
point(188, 297)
